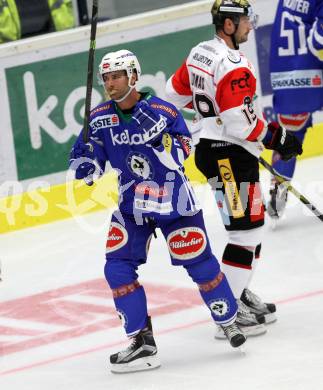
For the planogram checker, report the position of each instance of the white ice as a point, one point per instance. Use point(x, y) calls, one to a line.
point(288, 357)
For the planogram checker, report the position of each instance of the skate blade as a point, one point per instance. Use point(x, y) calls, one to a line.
point(270, 318)
point(274, 222)
point(248, 331)
point(143, 364)
point(242, 350)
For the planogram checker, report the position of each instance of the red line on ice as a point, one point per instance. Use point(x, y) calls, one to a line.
point(169, 330)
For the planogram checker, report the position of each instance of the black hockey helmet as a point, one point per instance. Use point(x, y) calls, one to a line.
point(232, 9)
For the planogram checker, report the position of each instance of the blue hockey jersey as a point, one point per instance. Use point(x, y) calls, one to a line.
point(296, 60)
point(151, 180)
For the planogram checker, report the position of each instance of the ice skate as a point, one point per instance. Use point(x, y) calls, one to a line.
point(278, 199)
point(139, 356)
point(251, 324)
point(256, 306)
point(234, 334)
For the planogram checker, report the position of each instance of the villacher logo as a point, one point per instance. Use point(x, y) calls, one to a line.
point(117, 237)
point(186, 244)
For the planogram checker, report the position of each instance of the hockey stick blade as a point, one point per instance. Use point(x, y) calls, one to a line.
point(290, 188)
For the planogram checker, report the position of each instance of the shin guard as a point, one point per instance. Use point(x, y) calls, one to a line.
point(214, 289)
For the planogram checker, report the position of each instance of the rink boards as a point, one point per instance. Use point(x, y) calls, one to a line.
point(43, 84)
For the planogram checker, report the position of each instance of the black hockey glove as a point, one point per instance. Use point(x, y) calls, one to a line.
point(283, 141)
point(150, 123)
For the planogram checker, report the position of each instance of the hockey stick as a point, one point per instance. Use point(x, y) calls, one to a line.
point(89, 82)
point(290, 188)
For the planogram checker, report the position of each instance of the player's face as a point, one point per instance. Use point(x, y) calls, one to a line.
point(116, 84)
point(244, 28)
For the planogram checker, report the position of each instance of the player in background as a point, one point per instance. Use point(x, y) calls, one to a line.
point(146, 140)
point(220, 83)
point(296, 66)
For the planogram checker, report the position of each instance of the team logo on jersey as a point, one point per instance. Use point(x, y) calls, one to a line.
point(234, 57)
point(117, 237)
point(102, 121)
point(131, 138)
point(241, 83)
point(186, 243)
point(140, 166)
point(219, 307)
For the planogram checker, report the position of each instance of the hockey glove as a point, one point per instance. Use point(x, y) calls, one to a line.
point(150, 123)
point(80, 155)
point(283, 141)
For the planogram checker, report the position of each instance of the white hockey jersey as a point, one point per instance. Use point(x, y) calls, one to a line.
point(220, 84)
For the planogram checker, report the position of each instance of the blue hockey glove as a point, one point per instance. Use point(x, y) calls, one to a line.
point(83, 169)
point(149, 122)
point(283, 141)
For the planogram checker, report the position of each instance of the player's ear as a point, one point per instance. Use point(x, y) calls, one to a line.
point(228, 26)
point(134, 78)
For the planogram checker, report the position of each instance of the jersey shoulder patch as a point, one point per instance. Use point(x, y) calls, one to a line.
point(234, 56)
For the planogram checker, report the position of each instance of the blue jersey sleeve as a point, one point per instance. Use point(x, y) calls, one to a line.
point(315, 38)
point(175, 145)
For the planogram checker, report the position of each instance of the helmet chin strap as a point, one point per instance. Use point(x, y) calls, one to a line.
point(131, 87)
point(233, 38)
point(126, 95)
point(234, 41)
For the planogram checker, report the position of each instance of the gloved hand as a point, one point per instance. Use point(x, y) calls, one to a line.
point(151, 123)
point(283, 141)
point(83, 169)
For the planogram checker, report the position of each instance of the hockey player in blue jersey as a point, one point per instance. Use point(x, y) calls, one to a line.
point(296, 66)
point(146, 140)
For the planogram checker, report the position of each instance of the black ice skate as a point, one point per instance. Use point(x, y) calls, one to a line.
point(139, 356)
point(251, 324)
point(278, 199)
point(256, 306)
point(234, 334)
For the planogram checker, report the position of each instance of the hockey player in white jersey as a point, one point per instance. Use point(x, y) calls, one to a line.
point(296, 70)
point(219, 82)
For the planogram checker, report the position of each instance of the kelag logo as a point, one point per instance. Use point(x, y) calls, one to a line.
point(46, 96)
point(46, 115)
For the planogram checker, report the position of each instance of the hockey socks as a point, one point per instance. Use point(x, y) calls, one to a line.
point(214, 289)
point(237, 265)
point(131, 305)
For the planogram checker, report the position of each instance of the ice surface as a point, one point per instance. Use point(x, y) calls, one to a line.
point(58, 326)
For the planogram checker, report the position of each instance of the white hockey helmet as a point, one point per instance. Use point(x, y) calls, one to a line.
point(120, 60)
